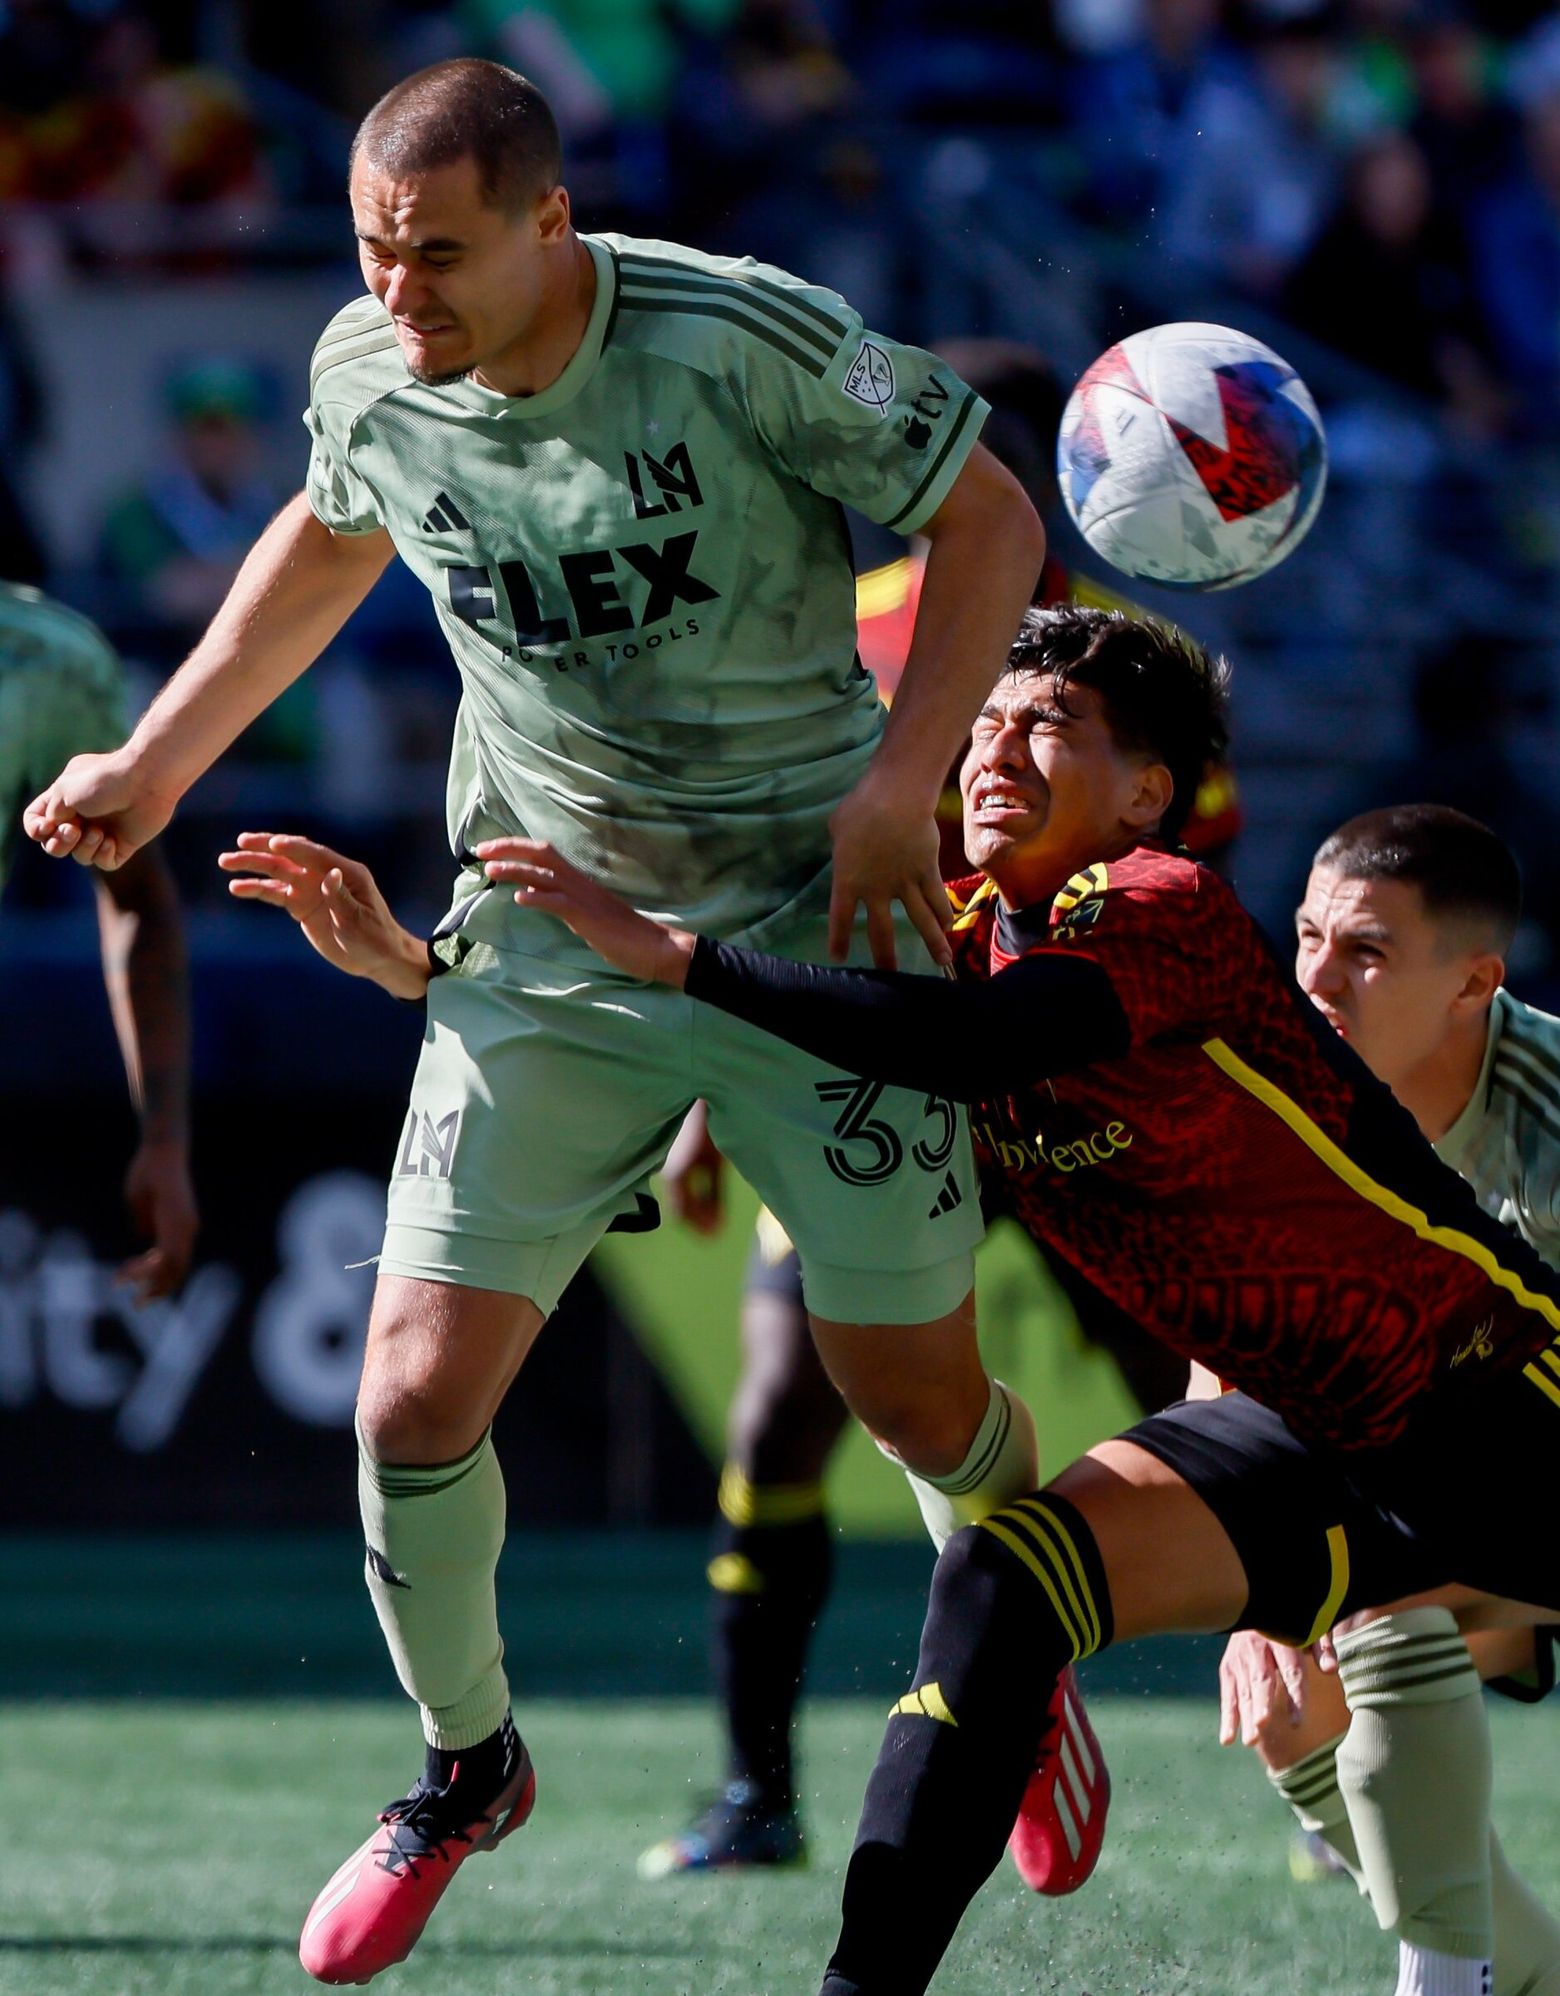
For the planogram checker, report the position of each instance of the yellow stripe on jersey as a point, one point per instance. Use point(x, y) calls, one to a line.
point(1092, 880)
point(1542, 1381)
point(1327, 1614)
point(966, 916)
point(1382, 1197)
point(883, 590)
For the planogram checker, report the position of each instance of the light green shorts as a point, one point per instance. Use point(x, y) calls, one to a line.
point(550, 1089)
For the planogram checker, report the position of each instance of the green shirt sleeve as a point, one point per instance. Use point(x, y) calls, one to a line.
point(882, 427)
point(340, 498)
point(345, 375)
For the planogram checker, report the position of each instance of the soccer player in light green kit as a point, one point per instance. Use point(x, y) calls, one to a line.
point(62, 692)
point(619, 468)
point(1403, 931)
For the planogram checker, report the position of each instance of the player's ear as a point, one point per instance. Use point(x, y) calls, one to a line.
point(1152, 796)
point(1486, 973)
point(552, 214)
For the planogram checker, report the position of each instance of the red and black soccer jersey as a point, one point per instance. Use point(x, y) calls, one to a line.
point(1156, 1102)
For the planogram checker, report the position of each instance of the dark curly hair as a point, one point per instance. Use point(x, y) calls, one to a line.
point(1163, 694)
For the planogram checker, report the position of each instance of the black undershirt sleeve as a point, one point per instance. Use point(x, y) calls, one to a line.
point(1042, 1015)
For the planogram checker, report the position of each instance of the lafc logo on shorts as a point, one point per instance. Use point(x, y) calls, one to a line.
point(428, 1147)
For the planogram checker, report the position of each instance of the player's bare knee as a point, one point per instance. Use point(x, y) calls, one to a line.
point(922, 1430)
point(400, 1421)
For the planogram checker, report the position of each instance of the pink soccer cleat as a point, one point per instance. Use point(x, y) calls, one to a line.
point(1057, 1839)
point(373, 1910)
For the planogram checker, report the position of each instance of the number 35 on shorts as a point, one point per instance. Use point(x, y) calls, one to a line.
point(870, 1150)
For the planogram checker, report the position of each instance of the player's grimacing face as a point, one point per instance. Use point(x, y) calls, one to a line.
point(1380, 971)
point(1046, 789)
point(461, 279)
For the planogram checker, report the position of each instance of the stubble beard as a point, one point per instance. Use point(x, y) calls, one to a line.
point(443, 377)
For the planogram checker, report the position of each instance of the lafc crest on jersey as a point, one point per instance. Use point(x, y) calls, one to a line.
point(1079, 905)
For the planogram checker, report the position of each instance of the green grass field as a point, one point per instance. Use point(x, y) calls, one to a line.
point(172, 1848)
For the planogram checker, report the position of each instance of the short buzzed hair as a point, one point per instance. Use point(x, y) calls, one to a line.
point(1163, 695)
point(1465, 873)
point(467, 109)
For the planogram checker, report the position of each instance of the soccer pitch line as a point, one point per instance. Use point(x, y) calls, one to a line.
point(173, 1847)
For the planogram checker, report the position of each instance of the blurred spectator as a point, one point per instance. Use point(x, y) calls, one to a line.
point(174, 543)
point(1466, 131)
point(99, 113)
point(1388, 283)
point(1480, 699)
point(1517, 263)
point(609, 68)
point(1256, 168)
point(21, 429)
point(979, 63)
point(1129, 104)
point(754, 122)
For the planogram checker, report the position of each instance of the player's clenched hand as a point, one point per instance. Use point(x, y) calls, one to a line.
point(1261, 1688)
point(885, 850)
point(337, 904)
point(161, 1199)
point(97, 811)
point(629, 941)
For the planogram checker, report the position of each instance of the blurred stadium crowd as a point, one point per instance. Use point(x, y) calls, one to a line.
point(1373, 185)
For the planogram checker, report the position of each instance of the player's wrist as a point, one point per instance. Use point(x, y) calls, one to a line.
point(407, 969)
point(673, 956)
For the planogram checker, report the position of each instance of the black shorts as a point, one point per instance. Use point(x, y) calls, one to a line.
point(1463, 1496)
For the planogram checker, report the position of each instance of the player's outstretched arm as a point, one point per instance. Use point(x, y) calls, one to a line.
point(148, 994)
point(337, 904)
point(968, 1040)
point(627, 940)
point(297, 587)
point(987, 548)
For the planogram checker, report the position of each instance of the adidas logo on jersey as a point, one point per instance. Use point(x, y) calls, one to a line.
point(444, 517)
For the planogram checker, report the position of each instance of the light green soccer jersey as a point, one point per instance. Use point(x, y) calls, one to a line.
point(644, 572)
point(1506, 1143)
point(62, 693)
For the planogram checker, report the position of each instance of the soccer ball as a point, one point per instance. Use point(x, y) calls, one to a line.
point(1191, 456)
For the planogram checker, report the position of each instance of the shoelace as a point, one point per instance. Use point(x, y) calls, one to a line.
point(418, 1829)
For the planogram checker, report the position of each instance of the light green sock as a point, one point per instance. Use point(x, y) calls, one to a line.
point(433, 1538)
point(1414, 1769)
point(1311, 1789)
point(1527, 1938)
point(1003, 1463)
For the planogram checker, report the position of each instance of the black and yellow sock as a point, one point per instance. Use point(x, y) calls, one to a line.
point(773, 1560)
point(1014, 1600)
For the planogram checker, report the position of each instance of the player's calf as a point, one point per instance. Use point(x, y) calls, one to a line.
point(1014, 1601)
